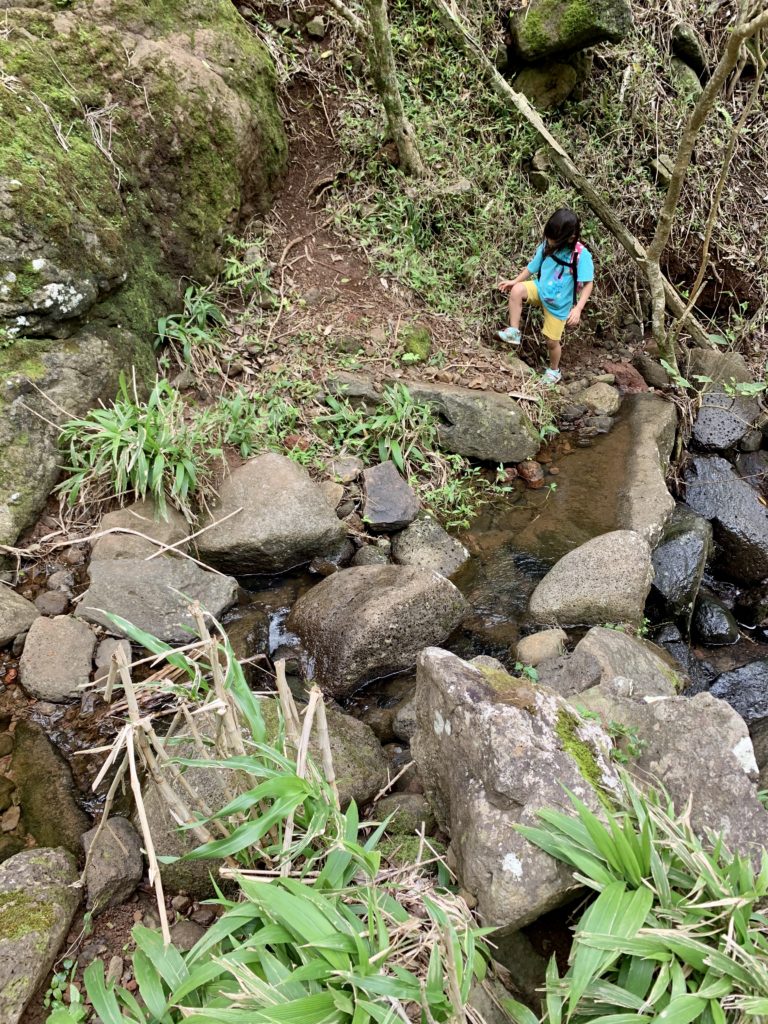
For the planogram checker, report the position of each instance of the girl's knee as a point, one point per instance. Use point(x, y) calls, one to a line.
point(518, 292)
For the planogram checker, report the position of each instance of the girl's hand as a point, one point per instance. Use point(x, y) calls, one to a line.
point(506, 286)
point(574, 317)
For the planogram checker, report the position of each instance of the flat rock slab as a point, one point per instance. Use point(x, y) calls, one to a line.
point(57, 658)
point(427, 545)
point(285, 519)
point(116, 863)
point(605, 580)
point(739, 520)
point(155, 595)
point(16, 615)
point(723, 420)
point(372, 621)
point(492, 751)
point(390, 502)
point(645, 504)
point(140, 517)
point(37, 905)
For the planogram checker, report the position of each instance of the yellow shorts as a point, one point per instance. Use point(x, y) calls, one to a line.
point(553, 328)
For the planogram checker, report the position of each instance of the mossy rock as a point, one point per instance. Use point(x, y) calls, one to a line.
point(133, 137)
point(546, 28)
point(403, 852)
point(417, 343)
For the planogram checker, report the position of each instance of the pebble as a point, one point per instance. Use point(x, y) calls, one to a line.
point(203, 916)
point(115, 970)
point(63, 579)
point(181, 903)
point(74, 555)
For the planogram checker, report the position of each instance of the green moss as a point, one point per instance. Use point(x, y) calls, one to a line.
point(403, 851)
point(582, 752)
point(417, 343)
point(551, 21)
point(21, 914)
point(520, 693)
point(575, 18)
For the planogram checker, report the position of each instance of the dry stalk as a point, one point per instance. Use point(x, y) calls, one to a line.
point(288, 705)
point(301, 768)
point(324, 740)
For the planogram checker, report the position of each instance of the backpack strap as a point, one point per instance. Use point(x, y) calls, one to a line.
point(573, 266)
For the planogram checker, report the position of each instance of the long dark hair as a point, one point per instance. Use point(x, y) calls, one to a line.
point(563, 228)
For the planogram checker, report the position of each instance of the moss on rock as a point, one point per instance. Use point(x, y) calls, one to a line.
point(582, 752)
point(549, 27)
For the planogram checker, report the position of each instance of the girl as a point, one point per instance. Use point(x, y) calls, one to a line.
point(564, 273)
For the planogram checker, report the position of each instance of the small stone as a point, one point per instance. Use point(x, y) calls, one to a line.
point(333, 492)
point(404, 722)
point(16, 615)
point(315, 29)
point(549, 643)
point(181, 903)
point(601, 399)
point(345, 470)
point(63, 579)
point(186, 934)
point(115, 970)
point(116, 863)
point(652, 372)
point(532, 473)
point(204, 916)
point(369, 554)
point(107, 648)
point(52, 602)
point(427, 545)
point(74, 556)
point(390, 502)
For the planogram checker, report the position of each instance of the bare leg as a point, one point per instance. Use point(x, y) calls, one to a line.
point(517, 295)
point(554, 352)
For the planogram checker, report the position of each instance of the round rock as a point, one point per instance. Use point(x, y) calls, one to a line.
point(57, 658)
point(16, 615)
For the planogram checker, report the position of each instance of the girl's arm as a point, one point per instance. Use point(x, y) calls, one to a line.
point(524, 275)
point(575, 315)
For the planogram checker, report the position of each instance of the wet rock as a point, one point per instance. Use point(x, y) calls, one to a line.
point(52, 603)
point(645, 504)
point(57, 658)
point(628, 380)
point(46, 791)
point(404, 722)
point(745, 689)
point(479, 424)
point(653, 373)
point(16, 615)
point(409, 813)
point(700, 673)
point(753, 468)
point(326, 565)
point(545, 29)
point(539, 747)
point(38, 902)
point(605, 580)
point(155, 595)
point(371, 621)
point(532, 473)
point(739, 520)
point(538, 647)
point(285, 519)
point(679, 561)
point(390, 502)
point(116, 864)
point(369, 554)
point(346, 470)
point(140, 517)
point(426, 545)
point(722, 420)
point(712, 624)
point(601, 399)
point(699, 749)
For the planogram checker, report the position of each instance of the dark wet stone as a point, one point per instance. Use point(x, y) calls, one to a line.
point(712, 624)
point(679, 560)
point(739, 520)
point(745, 689)
point(723, 420)
point(753, 467)
point(390, 502)
point(701, 673)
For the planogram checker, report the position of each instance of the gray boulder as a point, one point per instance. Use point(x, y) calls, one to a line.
point(688, 45)
point(600, 398)
point(698, 749)
point(644, 503)
point(427, 545)
point(723, 420)
point(605, 580)
point(16, 615)
point(372, 621)
point(745, 689)
point(140, 517)
point(648, 669)
point(116, 864)
point(46, 791)
point(285, 521)
point(390, 502)
point(548, 27)
point(155, 596)
point(679, 561)
point(369, 554)
point(739, 520)
point(57, 658)
point(38, 900)
point(479, 424)
point(492, 751)
point(654, 375)
point(719, 367)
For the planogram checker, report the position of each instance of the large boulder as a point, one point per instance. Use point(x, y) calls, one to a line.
point(43, 384)
point(648, 668)
point(121, 196)
point(139, 517)
point(723, 419)
point(492, 751)
point(479, 424)
point(16, 615)
point(698, 748)
point(739, 520)
point(154, 595)
point(547, 27)
point(372, 621)
point(679, 561)
point(645, 504)
point(38, 900)
point(716, 367)
point(426, 545)
point(605, 580)
point(285, 519)
point(57, 658)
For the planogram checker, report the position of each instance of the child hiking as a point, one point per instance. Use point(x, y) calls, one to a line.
point(559, 279)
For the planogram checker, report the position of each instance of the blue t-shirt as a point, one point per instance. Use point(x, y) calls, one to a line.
point(555, 282)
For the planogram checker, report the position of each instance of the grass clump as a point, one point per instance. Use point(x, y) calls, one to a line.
point(678, 931)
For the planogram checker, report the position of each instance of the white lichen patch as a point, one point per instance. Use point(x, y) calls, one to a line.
point(65, 297)
point(744, 753)
point(38, 264)
point(441, 725)
point(513, 865)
